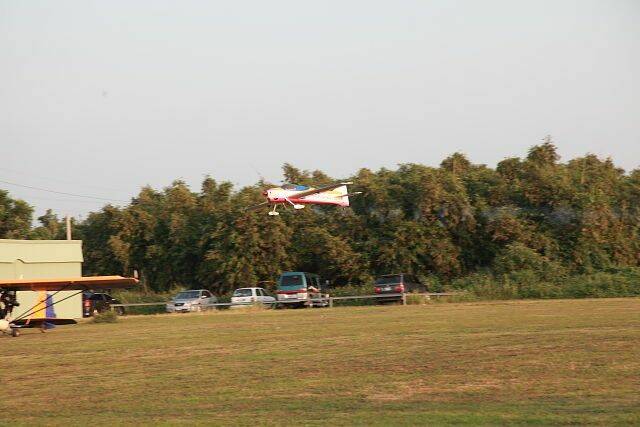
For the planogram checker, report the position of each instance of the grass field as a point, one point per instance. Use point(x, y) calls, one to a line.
point(538, 362)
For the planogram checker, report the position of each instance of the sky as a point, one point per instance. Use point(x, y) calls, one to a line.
point(99, 98)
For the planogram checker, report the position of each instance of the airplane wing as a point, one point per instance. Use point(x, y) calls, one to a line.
point(69, 284)
point(306, 193)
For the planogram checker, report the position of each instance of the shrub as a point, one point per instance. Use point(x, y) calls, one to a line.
point(138, 296)
point(613, 283)
point(106, 317)
point(485, 286)
point(348, 290)
point(528, 283)
point(517, 258)
point(433, 283)
point(416, 299)
point(351, 290)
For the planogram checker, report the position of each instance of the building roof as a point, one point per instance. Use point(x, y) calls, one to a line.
point(69, 283)
point(40, 251)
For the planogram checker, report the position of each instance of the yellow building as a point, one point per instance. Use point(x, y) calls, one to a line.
point(43, 259)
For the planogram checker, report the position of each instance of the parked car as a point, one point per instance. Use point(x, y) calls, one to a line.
point(397, 284)
point(98, 302)
point(297, 287)
point(247, 296)
point(193, 300)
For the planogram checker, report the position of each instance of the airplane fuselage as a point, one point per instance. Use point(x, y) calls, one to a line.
point(334, 197)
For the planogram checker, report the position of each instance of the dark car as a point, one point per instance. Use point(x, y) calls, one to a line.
point(397, 284)
point(97, 303)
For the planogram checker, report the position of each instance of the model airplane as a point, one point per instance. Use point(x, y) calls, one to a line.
point(42, 315)
point(299, 195)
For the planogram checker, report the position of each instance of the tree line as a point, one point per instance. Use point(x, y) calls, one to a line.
point(530, 227)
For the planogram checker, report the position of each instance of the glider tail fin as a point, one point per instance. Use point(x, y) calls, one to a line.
point(343, 195)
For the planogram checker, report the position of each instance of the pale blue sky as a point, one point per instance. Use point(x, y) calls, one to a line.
point(102, 97)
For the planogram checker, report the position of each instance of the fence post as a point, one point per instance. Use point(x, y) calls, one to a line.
point(404, 298)
point(330, 302)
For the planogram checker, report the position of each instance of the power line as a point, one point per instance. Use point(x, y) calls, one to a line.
point(62, 181)
point(63, 193)
point(57, 200)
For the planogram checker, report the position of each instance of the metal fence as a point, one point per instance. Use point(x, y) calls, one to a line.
point(324, 301)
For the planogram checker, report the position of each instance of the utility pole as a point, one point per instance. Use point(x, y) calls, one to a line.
point(68, 227)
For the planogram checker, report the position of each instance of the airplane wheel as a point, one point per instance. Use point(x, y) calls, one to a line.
point(15, 332)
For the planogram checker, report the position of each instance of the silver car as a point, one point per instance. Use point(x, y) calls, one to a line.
point(244, 297)
point(193, 300)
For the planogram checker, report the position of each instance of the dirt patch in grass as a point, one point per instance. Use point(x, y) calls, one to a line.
point(406, 391)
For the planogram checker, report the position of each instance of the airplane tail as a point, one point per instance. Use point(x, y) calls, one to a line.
point(342, 194)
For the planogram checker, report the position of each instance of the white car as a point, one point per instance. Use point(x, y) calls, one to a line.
point(194, 300)
point(247, 296)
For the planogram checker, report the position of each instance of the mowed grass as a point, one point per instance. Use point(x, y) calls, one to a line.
point(537, 362)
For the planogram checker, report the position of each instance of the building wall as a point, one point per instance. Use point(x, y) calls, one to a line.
point(43, 259)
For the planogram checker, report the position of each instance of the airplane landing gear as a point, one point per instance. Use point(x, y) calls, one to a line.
point(274, 212)
point(295, 205)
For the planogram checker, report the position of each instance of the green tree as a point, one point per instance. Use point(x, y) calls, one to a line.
point(15, 217)
point(51, 228)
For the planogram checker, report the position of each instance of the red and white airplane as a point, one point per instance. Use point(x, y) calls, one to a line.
point(299, 195)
